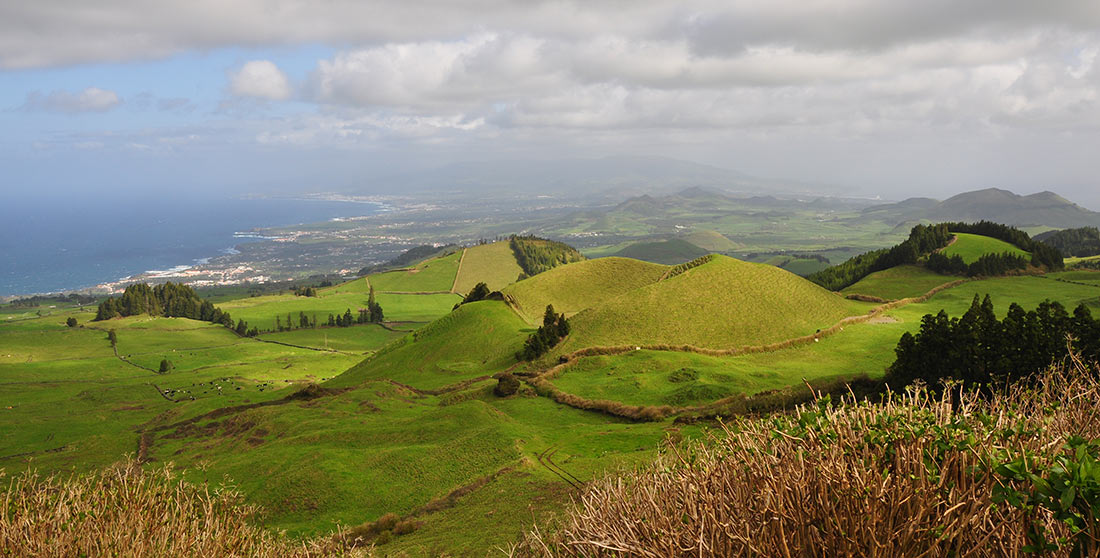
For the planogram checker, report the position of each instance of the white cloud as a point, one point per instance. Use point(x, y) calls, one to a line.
point(260, 78)
point(92, 99)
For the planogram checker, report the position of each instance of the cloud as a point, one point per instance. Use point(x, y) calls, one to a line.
point(262, 79)
point(92, 99)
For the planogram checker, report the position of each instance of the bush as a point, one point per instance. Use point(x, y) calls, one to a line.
point(71, 322)
point(915, 475)
point(507, 384)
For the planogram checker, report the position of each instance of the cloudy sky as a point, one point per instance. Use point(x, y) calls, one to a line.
point(896, 98)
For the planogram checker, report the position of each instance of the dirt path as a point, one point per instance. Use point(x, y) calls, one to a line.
point(546, 459)
point(458, 272)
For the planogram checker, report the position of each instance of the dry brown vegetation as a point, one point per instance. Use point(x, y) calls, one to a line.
point(126, 511)
point(915, 475)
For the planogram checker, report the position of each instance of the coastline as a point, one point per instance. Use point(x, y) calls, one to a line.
point(207, 270)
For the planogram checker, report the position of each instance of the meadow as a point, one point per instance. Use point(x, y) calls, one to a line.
point(493, 264)
point(404, 420)
point(971, 246)
point(434, 275)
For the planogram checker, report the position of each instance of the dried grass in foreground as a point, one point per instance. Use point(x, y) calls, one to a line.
point(914, 476)
point(126, 511)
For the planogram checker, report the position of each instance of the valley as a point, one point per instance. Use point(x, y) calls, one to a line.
point(328, 428)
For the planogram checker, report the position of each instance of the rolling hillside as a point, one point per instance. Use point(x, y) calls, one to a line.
point(477, 339)
point(433, 275)
point(899, 282)
point(723, 303)
point(574, 287)
point(970, 247)
point(993, 204)
point(493, 264)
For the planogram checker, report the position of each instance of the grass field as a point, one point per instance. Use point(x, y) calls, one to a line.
point(404, 429)
point(357, 339)
point(643, 377)
point(899, 282)
point(262, 311)
point(434, 275)
point(574, 287)
point(725, 303)
point(670, 252)
point(493, 264)
point(477, 339)
point(972, 246)
point(711, 241)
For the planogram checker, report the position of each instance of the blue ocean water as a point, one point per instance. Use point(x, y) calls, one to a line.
point(54, 246)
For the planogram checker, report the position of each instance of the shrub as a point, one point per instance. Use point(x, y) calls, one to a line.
point(126, 511)
point(71, 322)
point(916, 475)
point(507, 384)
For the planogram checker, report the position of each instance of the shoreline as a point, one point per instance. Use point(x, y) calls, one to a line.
point(197, 274)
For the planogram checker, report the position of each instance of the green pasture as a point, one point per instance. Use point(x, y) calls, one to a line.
point(972, 246)
point(576, 286)
point(643, 377)
point(434, 275)
point(477, 339)
point(261, 311)
point(903, 281)
point(493, 264)
point(722, 304)
point(357, 339)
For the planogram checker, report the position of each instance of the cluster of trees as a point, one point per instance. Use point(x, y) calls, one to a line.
point(1080, 243)
point(536, 255)
point(926, 240)
point(553, 329)
point(372, 314)
point(171, 300)
point(988, 265)
point(38, 300)
point(480, 292)
point(922, 240)
point(1042, 255)
point(303, 322)
point(305, 291)
point(978, 349)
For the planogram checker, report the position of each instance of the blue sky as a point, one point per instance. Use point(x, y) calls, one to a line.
point(889, 98)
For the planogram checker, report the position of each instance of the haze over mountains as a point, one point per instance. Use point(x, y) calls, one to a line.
point(1040, 209)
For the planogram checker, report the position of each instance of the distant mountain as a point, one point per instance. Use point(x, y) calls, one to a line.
point(993, 204)
point(606, 177)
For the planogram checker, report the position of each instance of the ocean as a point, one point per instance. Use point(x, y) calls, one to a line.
point(55, 246)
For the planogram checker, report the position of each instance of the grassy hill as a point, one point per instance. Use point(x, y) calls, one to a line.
point(992, 204)
point(899, 282)
point(672, 251)
point(574, 287)
point(724, 303)
point(493, 264)
point(434, 275)
point(972, 246)
point(711, 241)
point(476, 339)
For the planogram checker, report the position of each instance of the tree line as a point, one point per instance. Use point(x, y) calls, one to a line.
point(1042, 255)
point(923, 244)
point(536, 255)
point(987, 265)
point(1080, 243)
point(922, 240)
point(171, 300)
point(980, 350)
point(553, 329)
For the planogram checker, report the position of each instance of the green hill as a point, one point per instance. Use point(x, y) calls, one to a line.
point(711, 241)
point(723, 303)
point(434, 275)
point(476, 339)
point(493, 264)
point(574, 287)
point(972, 246)
point(899, 282)
point(672, 251)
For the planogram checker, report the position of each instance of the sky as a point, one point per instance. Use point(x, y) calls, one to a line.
point(873, 97)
